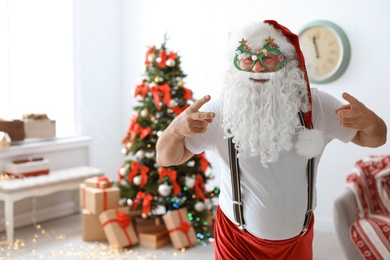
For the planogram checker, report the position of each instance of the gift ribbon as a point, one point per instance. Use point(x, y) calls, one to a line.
point(172, 175)
point(123, 221)
point(199, 186)
point(183, 227)
point(141, 89)
point(83, 197)
point(147, 201)
point(165, 90)
point(143, 170)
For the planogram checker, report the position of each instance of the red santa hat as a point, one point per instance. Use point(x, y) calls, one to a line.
point(310, 141)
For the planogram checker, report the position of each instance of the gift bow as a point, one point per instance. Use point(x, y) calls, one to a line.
point(132, 124)
point(178, 110)
point(143, 132)
point(135, 167)
point(163, 58)
point(172, 175)
point(165, 89)
point(147, 201)
point(204, 164)
point(148, 52)
point(101, 181)
point(141, 89)
point(187, 94)
point(199, 186)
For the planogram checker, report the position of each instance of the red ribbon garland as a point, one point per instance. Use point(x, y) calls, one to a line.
point(172, 175)
point(183, 227)
point(123, 221)
point(143, 170)
point(199, 186)
point(144, 132)
point(141, 89)
point(147, 201)
point(165, 90)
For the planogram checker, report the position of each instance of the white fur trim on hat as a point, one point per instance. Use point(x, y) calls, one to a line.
point(311, 143)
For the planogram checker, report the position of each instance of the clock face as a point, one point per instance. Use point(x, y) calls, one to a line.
point(323, 52)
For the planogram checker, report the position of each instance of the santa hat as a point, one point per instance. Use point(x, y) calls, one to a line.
point(310, 141)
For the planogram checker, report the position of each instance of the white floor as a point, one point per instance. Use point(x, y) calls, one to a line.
point(61, 239)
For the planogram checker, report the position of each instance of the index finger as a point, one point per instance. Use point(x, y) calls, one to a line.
point(351, 99)
point(200, 102)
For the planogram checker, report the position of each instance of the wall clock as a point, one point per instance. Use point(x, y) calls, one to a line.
point(326, 49)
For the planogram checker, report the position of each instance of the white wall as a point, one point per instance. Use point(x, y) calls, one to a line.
point(113, 50)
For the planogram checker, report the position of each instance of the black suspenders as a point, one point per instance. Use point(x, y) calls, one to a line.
point(236, 188)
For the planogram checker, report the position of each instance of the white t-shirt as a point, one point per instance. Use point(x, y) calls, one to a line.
point(274, 198)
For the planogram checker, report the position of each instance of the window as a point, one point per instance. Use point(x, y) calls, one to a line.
point(36, 60)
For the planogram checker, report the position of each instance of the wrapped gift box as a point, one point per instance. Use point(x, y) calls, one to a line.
point(27, 167)
point(180, 228)
point(118, 227)
point(98, 200)
point(150, 224)
point(92, 229)
point(154, 240)
point(39, 128)
point(98, 182)
point(14, 128)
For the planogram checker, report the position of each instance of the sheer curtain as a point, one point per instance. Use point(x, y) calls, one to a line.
point(36, 60)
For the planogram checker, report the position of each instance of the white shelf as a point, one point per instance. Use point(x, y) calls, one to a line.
point(37, 146)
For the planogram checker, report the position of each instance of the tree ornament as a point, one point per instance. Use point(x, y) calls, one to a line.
point(124, 183)
point(129, 145)
point(159, 133)
point(164, 190)
point(199, 206)
point(122, 171)
point(170, 63)
point(191, 163)
point(173, 103)
point(130, 202)
point(144, 113)
point(124, 151)
point(189, 182)
point(180, 83)
point(137, 180)
point(149, 155)
point(140, 154)
point(152, 57)
point(157, 79)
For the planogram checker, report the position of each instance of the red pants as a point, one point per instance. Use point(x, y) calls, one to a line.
point(234, 244)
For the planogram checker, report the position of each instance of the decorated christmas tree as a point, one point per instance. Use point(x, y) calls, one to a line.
point(144, 185)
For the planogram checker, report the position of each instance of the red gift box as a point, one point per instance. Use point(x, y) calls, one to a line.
point(118, 227)
point(27, 167)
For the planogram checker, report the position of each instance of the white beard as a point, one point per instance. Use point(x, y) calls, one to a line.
point(262, 117)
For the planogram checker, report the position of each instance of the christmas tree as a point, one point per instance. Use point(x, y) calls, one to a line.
point(144, 185)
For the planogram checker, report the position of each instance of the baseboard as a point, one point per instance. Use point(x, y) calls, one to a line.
point(43, 214)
